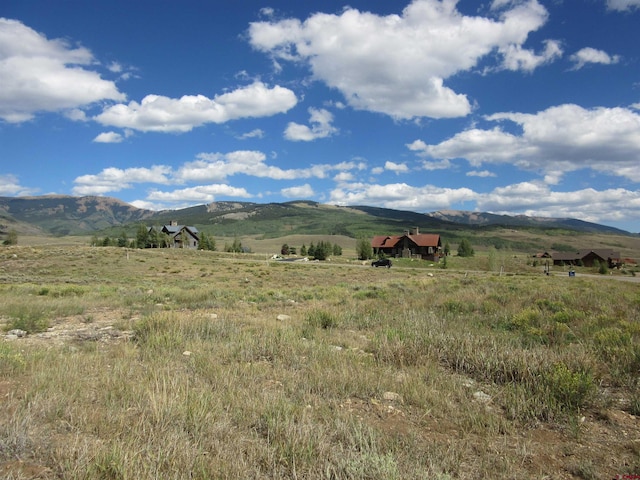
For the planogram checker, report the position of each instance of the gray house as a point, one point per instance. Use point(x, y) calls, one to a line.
point(180, 236)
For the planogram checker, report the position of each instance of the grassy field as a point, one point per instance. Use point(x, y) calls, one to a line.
point(176, 364)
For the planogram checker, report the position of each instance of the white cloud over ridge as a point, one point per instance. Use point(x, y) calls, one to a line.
point(157, 113)
point(209, 171)
point(527, 198)
point(555, 141)
point(10, 186)
point(300, 192)
point(397, 64)
point(38, 74)
point(115, 179)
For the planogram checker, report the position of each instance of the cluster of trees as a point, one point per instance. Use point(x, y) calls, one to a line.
point(235, 247)
point(120, 241)
point(150, 238)
point(321, 251)
point(465, 249)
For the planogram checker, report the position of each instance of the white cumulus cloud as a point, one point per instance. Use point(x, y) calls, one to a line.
point(591, 55)
point(400, 196)
point(302, 192)
point(558, 140)
point(115, 179)
point(157, 113)
point(320, 120)
point(396, 167)
point(10, 187)
point(42, 75)
point(108, 137)
point(398, 64)
point(623, 5)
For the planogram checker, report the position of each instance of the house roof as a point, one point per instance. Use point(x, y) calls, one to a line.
point(425, 239)
point(421, 240)
point(580, 254)
point(385, 241)
point(175, 230)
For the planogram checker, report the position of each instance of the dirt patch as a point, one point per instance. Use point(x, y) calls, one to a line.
point(98, 325)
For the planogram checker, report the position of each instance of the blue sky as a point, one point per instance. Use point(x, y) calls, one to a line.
point(512, 107)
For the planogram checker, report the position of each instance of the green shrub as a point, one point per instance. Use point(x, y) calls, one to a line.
point(568, 391)
point(322, 319)
point(29, 318)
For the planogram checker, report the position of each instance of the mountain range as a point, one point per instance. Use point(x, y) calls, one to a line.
point(60, 215)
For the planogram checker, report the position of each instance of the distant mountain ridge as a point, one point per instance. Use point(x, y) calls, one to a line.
point(490, 219)
point(68, 215)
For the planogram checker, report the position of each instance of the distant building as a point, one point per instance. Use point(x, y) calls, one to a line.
point(180, 236)
point(426, 246)
point(586, 258)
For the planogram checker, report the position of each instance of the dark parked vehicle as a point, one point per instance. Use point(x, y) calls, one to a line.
point(383, 262)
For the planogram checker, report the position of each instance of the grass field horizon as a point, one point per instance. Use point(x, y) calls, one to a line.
point(167, 363)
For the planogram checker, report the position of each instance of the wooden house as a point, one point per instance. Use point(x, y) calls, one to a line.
point(587, 258)
point(180, 236)
point(426, 246)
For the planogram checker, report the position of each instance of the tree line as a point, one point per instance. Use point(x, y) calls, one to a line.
point(321, 251)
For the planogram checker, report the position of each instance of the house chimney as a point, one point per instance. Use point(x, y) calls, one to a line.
point(174, 223)
point(416, 230)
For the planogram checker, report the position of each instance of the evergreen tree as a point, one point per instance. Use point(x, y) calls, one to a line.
point(447, 249)
point(465, 249)
point(142, 236)
point(284, 250)
point(363, 249)
point(337, 250)
point(207, 242)
point(322, 250)
point(122, 239)
point(311, 251)
point(303, 250)
point(235, 247)
point(154, 239)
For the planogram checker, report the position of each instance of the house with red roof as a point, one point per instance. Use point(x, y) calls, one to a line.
point(426, 246)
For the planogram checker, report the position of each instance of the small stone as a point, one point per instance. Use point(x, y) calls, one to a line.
point(186, 353)
point(213, 316)
point(17, 332)
point(391, 396)
point(283, 318)
point(482, 397)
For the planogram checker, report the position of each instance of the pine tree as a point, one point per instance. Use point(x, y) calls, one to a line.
point(363, 249)
point(142, 236)
point(465, 249)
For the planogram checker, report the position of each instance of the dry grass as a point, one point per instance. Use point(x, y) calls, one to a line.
point(179, 364)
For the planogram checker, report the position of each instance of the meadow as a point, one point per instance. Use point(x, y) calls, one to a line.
point(178, 364)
